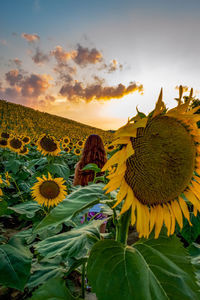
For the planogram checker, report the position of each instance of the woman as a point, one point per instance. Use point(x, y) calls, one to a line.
point(93, 152)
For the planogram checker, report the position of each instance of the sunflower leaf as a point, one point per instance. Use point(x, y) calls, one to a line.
point(28, 208)
point(150, 270)
point(74, 203)
point(74, 243)
point(92, 167)
point(59, 170)
point(15, 264)
point(45, 270)
point(53, 289)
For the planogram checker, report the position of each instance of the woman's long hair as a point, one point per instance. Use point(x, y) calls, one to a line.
point(93, 152)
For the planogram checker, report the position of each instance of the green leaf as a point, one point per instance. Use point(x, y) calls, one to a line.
point(28, 208)
point(74, 203)
point(59, 170)
point(15, 264)
point(75, 243)
point(3, 207)
point(13, 165)
point(92, 167)
point(191, 233)
point(45, 270)
point(53, 289)
point(151, 270)
point(194, 250)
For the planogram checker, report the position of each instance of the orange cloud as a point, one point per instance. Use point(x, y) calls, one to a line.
point(13, 77)
point(61, 55)
point(97, 91)
point(85, 56)
point(35, 85)
point(30, 37)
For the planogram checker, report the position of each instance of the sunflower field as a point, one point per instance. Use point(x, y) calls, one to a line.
point(149, 193)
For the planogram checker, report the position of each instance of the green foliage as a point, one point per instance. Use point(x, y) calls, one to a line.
point(53, 289)
point(3, 207)
point(75, 243)
point(45, 270)
point(194, 251)
point(74, 203)
point(150, 270)
point(59, 170)
point(15, 264)
point(92, 167)
point(28, 208)
point(191, 233)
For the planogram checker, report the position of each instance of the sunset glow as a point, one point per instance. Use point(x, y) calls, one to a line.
point(96, 65)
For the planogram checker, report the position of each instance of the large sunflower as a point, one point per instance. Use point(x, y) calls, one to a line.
point(158, 167)
point(48, 145)
point(49, 191)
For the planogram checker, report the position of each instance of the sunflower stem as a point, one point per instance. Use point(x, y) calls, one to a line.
point(122, 228)
point(18, 189)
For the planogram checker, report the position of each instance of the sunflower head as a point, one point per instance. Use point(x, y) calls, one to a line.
point(77, 151)
point(110, 147)
point(80, 144)
point(66, 140)
point(49, 191)
point(67, 149)
point(26, 139)
point(156, 166)
point(3, 143)
point(15, 143)
point(24, 151)
point(5, 135)
point(48, 145)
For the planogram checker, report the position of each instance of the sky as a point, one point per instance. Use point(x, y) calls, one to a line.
point(97, 61)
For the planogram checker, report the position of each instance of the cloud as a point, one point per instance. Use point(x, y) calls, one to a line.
point(25, 87)
point(31, 38)
point(61, 55)
point(13, 77)
point(77, 91)
point(50, 98)
point(39, 57)
point(114, 65)
point(17, 61)
point(35, 85)
point(84, 56)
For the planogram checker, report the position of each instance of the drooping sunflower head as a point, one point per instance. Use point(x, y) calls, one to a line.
point(49, 191)
point(48, 145)
point(156, 167)
point(15, 143)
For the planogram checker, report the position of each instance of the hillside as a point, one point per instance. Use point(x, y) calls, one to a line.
point(25, 120)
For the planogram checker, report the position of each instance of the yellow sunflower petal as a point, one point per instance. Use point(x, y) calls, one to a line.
point(177, 212)
point(158, 220)
point(184, 209)
point(128, 201)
